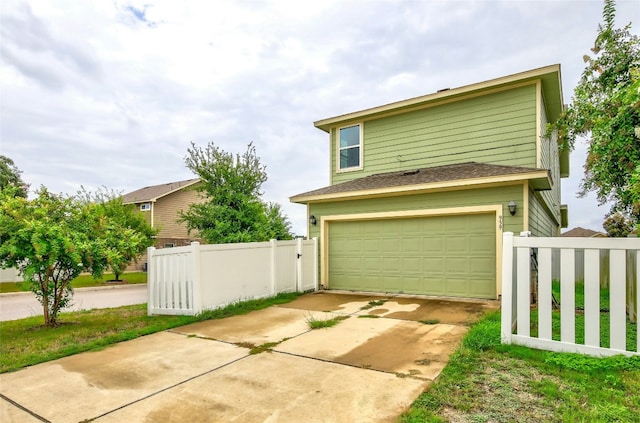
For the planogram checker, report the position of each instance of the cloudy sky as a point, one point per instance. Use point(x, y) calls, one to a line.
point(111, 93)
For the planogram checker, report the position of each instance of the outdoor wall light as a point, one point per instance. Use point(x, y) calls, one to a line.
point(313, 220)
point(512, 207)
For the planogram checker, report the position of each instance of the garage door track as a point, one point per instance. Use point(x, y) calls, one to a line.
point(265, 366)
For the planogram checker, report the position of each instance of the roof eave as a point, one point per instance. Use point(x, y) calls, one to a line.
point(154, 199)
point(539, 180)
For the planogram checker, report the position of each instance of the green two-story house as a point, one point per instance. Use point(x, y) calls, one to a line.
point(422, 189)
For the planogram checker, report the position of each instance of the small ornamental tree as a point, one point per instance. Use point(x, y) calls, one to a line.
point(125, 232)
point(53, 238)
point(233, 210)
point(606, 109)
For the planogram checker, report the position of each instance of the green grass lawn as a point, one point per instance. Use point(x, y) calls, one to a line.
point(82, 281)
point(489, 382)
point(26, 342)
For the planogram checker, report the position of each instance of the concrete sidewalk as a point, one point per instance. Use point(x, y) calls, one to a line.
point(362, 369)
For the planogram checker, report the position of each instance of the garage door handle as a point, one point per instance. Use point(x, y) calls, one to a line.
point(299, 255)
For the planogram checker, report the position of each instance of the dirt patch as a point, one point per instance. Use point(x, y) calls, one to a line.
point(409, 349)
point(443, 311)
point(101, 374)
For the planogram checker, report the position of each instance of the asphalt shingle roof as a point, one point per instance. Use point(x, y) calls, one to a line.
point(154, 192)
point(583, 233)
point(447, 173)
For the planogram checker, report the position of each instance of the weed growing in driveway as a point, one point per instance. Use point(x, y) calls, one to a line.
point(268, 346)
point(430, 321)
point(320, 324)
point(368, 316)
point(373, 304)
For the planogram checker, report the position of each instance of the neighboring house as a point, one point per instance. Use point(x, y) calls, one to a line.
point(583, 233)
point(420, 190)
point(161, 204)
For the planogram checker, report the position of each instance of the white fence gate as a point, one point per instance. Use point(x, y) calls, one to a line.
point(188, 280)
point(624, 276)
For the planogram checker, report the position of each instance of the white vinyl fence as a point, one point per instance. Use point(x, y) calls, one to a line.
point(518, 283)
point(188, 280)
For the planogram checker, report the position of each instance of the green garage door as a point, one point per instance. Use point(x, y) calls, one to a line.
point(442, 255)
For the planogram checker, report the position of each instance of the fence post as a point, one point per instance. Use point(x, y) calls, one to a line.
point(197, 279)
point(274, 261)
point(315, 267)
point(507, 287)
point(151, 283)
point(299, 267)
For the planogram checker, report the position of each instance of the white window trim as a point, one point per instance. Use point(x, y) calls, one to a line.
point(145, 206)
point(354, 168)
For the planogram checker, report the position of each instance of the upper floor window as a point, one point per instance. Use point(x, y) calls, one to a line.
point(350, 147)
point(145, 206)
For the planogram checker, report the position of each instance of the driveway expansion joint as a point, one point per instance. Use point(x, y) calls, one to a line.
point(23, 408)
point(175, 385)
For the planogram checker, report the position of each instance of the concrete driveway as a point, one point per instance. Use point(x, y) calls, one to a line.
point(364, 369)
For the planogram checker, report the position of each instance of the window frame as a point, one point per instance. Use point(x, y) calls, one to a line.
point(360, 145)
point(145, 207)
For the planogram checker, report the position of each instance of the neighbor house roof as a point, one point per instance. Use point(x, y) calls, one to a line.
point(425, 179)
point(583, 233)
point(152, 193)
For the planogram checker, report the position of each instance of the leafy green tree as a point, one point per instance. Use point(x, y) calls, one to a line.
point(125, 232)
point(233, 210)
point(53, 238)
point(278, 224)
point(10, 175)
point(618, 226)
point(606, 109)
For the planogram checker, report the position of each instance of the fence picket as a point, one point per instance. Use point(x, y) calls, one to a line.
point(567, 296)
point(617, 297)
point(545, 300)
point(592, 297)
point(523, 291)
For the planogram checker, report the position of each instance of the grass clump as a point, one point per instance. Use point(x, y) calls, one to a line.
point(372, 304)
point(430, 321)
point(368, 316)
point(26, 342)
point(327, 323)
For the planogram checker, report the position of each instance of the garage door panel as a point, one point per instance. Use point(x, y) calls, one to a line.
point(457, 265)
point(482, 266)
point(433, 245)
point(443, 255)
point(457, 245)
point(457, 287)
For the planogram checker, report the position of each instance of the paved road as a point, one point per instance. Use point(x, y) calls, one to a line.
point(24, 304)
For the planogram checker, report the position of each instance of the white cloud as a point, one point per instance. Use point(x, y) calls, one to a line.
point(112, 93)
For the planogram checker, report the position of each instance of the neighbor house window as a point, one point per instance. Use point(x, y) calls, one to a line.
point(145, 206)
point(350, 147)
point(169, 245)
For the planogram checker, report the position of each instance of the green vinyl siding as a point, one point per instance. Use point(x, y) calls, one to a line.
point(540, 222)
point(437, 200)
point(549, 159)
point(497, 128)
point(442, 255)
